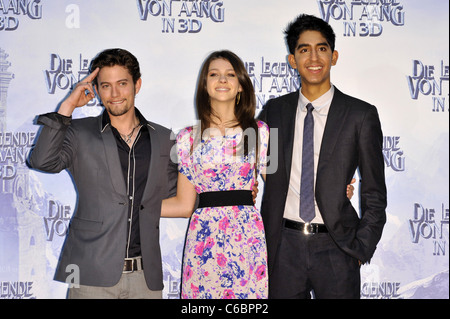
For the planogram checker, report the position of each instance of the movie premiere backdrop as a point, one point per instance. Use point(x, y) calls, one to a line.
point(392, 53)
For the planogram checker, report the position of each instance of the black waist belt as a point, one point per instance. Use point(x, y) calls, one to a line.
point(225, 198)
point(305, 228)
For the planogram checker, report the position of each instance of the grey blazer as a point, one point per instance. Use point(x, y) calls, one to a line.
point(96, 240)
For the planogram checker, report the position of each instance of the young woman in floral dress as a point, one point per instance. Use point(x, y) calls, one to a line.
point(225, 254)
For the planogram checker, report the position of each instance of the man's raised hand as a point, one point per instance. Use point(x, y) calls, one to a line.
point(81, 94)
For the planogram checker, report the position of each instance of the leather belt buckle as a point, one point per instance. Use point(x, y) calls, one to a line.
point(309, 229)
point(132, 264)
point(128, 265)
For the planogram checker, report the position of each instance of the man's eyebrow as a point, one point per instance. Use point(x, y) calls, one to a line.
point(106, 82)
point(302, 45)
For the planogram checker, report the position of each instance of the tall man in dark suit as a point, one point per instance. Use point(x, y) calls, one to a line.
point(121, 167)
point(321, 254)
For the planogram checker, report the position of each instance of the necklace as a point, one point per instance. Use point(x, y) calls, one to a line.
point(127, 137)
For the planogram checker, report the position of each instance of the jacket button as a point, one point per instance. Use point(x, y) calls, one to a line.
point(142, 207)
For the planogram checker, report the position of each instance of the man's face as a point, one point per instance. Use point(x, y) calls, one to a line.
point(313, 60)
point(117, 89)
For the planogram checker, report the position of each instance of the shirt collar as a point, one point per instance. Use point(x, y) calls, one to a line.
point(107, 121)
point(319, 103)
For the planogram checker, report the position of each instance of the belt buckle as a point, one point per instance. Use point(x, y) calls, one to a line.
point(308, 228)
point(128, 265)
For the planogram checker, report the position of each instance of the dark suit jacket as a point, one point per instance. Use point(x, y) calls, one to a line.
point(96, 240)
point(352, 139)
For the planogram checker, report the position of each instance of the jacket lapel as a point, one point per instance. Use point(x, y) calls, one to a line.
point(112, 158)
point(333, 127)
point(288, 128)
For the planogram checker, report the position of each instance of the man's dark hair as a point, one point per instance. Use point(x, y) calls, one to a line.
point(306, 22)
point(121, 57)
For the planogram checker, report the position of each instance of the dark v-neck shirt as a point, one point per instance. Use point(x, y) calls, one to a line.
point(135, 162)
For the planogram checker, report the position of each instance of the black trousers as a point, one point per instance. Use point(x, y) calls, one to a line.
point(313, 266)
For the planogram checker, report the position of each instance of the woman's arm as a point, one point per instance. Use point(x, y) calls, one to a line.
point(181, 205)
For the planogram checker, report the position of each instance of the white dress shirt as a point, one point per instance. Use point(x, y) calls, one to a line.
point(320, 113)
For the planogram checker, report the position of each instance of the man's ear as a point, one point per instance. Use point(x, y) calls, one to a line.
point(137, 86)
point(334, 57)
point(292, 62)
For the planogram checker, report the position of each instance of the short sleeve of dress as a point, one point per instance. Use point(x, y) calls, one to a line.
point(263, 130)
point(184, 146)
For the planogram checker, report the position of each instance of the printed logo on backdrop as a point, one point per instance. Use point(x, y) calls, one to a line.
point(380, 290)
point(16, 290)
point(363, 18)
point(271, 79)
point(13, 11)
point(14, 146)
point(182, 16)
point(64, 72)
point(393, 154)
point(18, 201)
point(430, 80)
point(430, 224)
point(57, 220)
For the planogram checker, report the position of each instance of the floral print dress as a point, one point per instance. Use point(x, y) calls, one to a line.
point(225, 254)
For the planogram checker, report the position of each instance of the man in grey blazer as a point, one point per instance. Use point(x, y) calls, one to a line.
point(120, 164)
point(321, 256)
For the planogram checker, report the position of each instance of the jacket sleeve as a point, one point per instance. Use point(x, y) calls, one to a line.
point(373, 188)
point(172, 168)
point(262, 116)
point(55, 145)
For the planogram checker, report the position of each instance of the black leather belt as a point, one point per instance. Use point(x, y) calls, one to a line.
point(225, 198)
point(132, 264)
point(305, 228)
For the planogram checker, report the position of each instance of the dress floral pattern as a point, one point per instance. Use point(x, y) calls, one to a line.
point(225, 255)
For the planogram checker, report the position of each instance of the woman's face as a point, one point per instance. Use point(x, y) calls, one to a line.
point(222, 83)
